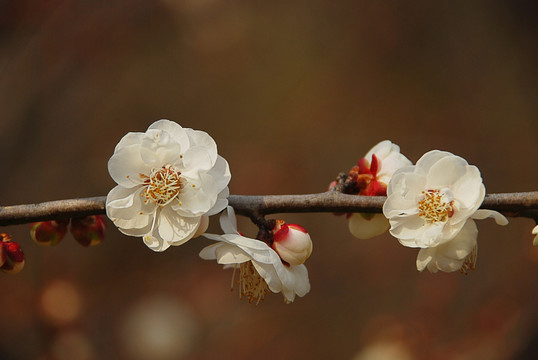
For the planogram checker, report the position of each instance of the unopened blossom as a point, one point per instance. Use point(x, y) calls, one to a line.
point(168, 179)
point(291, 242)
point(12, 257)
point(370, 177)
point(429, 203)
point(260, 268)
point(89, 230)
point(535, 233)
point(48, 233)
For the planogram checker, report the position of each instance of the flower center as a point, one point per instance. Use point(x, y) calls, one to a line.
point(162, 185)
point(432, 207)
point(251, 284)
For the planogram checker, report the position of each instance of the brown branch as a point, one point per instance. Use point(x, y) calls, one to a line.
point(510, 204)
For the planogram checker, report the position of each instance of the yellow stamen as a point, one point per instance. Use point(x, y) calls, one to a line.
point(162, 185)
point(433, 208)
point(251, 284)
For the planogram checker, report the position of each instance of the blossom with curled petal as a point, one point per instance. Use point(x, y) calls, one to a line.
point(535, 233)
point(373, 173)
point(169, 180)
point(260, 267)
point(429, 203)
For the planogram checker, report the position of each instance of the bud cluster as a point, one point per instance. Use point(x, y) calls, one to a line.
point(87, 231)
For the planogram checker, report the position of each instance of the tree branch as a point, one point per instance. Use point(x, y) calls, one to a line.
point(523, 204)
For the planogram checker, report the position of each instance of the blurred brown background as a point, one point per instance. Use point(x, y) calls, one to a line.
point(293, 92)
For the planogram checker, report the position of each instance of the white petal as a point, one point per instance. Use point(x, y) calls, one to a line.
point(406, 185)
point(202, 227)
point(174, 229)
point(155, 243)
point(201, 138)
point(196, 159)
point(131, 138)
point(196, 199)
point(159, 148)
point(469, 190)
point(221, 173)
point(221, 203)
point(228, 221)
point(302, 284)
point(367, 227)
point(126, 165)
point(175, 130)
point(382, 150)
point(500, 219)
point(127, 203)
point(396, 205)
point(427, 160)
point(446, 172)
point(390, 164)
point(424, 258)
point(269, 274)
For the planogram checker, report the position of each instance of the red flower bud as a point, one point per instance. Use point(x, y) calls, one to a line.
point(48, 233)
point(292, 243)
point(13, 256)
point(88, 231)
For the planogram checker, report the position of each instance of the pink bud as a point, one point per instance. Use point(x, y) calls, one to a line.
point(48, 233)
point(88, 231)
point(13, 256)
point(292, 243)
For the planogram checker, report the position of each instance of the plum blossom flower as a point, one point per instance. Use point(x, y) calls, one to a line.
point(372, 174)
point(429, 203)
point(260, 267)
point(430, 206)
point(169, 180)
point(535, 233)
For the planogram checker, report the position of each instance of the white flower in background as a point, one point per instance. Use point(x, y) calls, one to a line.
point(429, 203)
point(170, 179)
point(260, 267)
point(374, 173)
point(458, 254)
point(535, 232)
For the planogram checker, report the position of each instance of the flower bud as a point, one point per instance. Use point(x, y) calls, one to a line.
point(366, 226)
point(291, 242)
point(12, 254)
point(48, 233)
point(88, 231)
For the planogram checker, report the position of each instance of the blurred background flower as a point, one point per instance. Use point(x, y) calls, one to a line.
point(286, 87)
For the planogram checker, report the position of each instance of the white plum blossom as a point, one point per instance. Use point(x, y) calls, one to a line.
point(430, 205)
point(170, 179)
point(535, 233)
point(374, 173)
point(260, 267)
